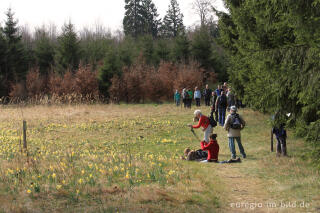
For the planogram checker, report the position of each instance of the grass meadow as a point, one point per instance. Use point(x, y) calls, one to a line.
point(126, 158)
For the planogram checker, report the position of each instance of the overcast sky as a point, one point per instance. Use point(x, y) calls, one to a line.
point(84, 13)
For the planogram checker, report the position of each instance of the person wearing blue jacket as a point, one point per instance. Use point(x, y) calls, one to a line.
point(218, 91)
point(197, 96)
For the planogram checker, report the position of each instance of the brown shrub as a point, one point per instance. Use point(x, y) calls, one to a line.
point(141, 82)
point(189, 76)
point(68, 83)
point(168, 74)
point(153, 86)
point(86, 82)
point(35, 84)
point(54, 84)
point(117, 90)
point(82, 86)
point(18, 92)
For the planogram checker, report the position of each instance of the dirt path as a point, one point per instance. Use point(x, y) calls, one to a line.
point(243, 193)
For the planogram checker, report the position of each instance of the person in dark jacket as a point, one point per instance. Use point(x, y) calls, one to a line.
point(221, 107)
point(213, 105)
point(281, 135)
point(190, 96)
point(207, 95)
point(184, 95)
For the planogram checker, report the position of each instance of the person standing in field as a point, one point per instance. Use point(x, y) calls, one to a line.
point(218, 91)
point(177, 98)
point(231, 98)
point(213, 105)
point(281, 135)
point(197, 96)
point(190, 96)
point(234, 124)
point(184, 97)
point(204, 122)
point(207, 95)
point(221, 107)
point(225, 87)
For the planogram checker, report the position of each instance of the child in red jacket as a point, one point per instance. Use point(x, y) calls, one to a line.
point(212, 147)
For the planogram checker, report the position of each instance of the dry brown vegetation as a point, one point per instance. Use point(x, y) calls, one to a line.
point(78, 87)
point(141, 82)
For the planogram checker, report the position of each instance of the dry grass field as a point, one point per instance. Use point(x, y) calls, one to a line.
point(126, 158)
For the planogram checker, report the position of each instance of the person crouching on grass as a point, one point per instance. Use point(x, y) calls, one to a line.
point(212, 147)
point(204, 123)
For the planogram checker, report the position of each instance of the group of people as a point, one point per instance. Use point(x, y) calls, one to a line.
point(219, 99)
point(209, 96)
point(233, 125)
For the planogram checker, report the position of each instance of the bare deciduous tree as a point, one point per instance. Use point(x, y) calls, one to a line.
point(203, 8)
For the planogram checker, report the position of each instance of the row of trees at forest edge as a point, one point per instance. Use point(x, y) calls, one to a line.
point(273, 49)
point(145, 37)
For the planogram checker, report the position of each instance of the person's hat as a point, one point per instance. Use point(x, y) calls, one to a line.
point(233, 108)
point(197, 112)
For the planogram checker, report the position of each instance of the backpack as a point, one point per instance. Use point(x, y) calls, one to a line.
point(212, 121)
point(235, 121)
point(222, 101)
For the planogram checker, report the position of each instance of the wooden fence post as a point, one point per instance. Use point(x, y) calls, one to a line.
point(272, 140)
point(25, 135)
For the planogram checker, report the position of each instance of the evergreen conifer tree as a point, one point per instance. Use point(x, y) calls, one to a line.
point(68, 49)
point(151, 18)
point(3, 60)
point(16, 60)
point(134, 20)
point(112, 65)
point(172, 24)
point(44, 52)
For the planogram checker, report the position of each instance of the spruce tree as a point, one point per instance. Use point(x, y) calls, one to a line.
point(68, 49)
point(3, 60)
point(148, 49)
point(172, 24)
point(201, 47)
point(112, 65)
point(134, 21)
point(274, 54)
point(152, 22)
point(181, 49)
point(44, 52)
point(16, 61)
point(162, 50)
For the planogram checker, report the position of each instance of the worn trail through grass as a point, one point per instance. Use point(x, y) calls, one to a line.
point(126, 158)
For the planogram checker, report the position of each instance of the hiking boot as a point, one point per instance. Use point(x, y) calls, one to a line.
point(284, 151)
point(237, 160)
point(244, 156)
